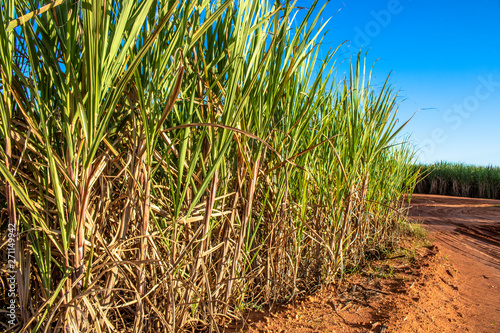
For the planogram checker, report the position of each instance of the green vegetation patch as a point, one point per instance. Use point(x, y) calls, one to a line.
point(459, 179)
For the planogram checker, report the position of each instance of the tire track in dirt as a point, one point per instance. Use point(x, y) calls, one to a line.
point(467, 230)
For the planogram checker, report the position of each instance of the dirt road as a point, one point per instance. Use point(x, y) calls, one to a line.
point(467, 232)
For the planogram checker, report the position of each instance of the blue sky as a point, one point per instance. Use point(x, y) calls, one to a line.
point(444, 58)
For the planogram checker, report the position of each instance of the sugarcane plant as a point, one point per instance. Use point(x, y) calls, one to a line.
point(169, 164)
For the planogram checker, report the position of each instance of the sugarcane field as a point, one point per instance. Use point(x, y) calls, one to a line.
point(249, 166)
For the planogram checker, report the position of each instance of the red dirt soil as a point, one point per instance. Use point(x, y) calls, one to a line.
point(468, 232)
point(451, 286)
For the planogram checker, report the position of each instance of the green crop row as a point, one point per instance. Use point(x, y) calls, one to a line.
point(459, 179)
